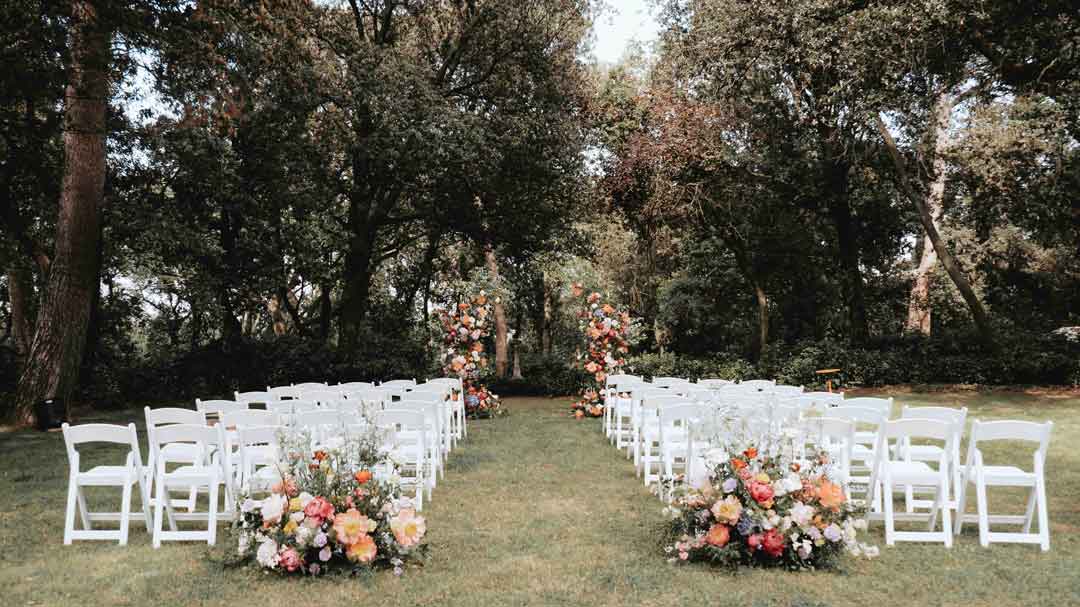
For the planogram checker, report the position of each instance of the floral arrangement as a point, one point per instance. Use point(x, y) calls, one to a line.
point(328, 512)
point(758, 511)
point(465, 328)
point(605, 331)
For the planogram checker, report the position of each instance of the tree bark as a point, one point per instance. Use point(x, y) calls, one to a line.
point(52, 365)
point(763, 319)
point(20, 291)
point(326, 311)
point(501, 331)
point(919, 312)
point(952, 267)
point(547, 316)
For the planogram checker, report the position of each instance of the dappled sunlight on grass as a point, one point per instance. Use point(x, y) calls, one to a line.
point(537, 509)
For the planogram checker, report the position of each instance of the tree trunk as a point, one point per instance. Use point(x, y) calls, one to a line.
point(20, 292)
point(763, 319)
point(918, 320)
point(952, 267)
point(52, 365)
point(547, 317)
point(501, 332)
point(326, 310)
point(847, 241)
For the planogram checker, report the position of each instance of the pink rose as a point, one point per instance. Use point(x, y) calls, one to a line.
point(762, 493)
point(290, 559)
point(745, 474)
point(319, 509)
point(754, 542)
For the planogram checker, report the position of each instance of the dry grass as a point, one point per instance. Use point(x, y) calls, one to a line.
point(537, 509)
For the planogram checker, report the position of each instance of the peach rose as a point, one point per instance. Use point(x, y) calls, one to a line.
point(718, 536)
point(363, 550)
point(350, 526)
point(408, 528)
point(727, 510)
point(319, 510)
point(762, 493)
point(830, 494)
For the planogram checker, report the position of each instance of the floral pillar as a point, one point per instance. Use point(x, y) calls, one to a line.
point(605, 330)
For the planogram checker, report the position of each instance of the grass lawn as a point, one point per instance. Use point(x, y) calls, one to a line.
point(538, 509)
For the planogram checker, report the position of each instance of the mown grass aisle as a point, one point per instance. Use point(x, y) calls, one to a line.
point(535, 509)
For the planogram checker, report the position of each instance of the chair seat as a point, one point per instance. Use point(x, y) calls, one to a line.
point(907, 472)
point(105, 475)
point(866, 438)
point(922, 452)
point(186, 473)
point(181, 451)
point(1007, 475)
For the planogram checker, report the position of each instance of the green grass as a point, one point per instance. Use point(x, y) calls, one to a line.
point(538, 509)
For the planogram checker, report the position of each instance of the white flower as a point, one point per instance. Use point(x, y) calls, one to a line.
point(792, 482)
point(267, 554)
point(802, 514)
point(297, 517)
point(243, 544)
point(274, 507)
point(305, 497)
point(871, 551)
point(860, 524)
point(249, 505)
point(304, 534)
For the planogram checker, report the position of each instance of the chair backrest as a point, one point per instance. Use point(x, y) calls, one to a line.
point(932, 429)
point(428, 408)
point(173, 415)
point(326, 398)
point(784, 391)
point(256, 397)
point(355, 385)
point(206, 437)
point(308, 386)
point(833, 435)
point(318, 417)
point(251, 417)
point(281, 407)
point(259, 435)
point(453, 382)
point(679, 414)
point(829, 397)
point(759, 384)
point(957, 417)
point(433, 394)
point(398, 383)
point(400, 419)
point(219, 407)
point(859, 415)
point(283, 391)
point(299, 406)
point(100, 433)
point(714, 382)
point(667, 382)
point(1011, 430)
point(883, 404)
point(655, 402)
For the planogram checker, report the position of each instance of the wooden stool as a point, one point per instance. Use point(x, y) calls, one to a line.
point(828, 380)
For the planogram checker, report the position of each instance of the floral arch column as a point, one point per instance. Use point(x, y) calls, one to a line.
point(605, 330)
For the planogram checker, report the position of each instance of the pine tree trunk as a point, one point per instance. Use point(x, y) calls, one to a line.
point(501, 330)
point(52, 365)
point(918, 320)
point(763, 319)
point(547, 318)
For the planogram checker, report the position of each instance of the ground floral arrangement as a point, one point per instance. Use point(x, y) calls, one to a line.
point(464, 329)
point(605, 330)
point(329, 513)
point(757, 510)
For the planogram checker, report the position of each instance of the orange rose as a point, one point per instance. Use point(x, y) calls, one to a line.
point(362, 476)
point(737, 463)
point(830, 494)
point(579, 414)
point(750, 453)
point(321, 455)
point(718, 536)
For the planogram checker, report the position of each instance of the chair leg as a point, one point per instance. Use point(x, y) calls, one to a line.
point(125, 512)
point(1029, 512)
point(943, 503)
point(212, 513)
point(1044, 517)
point(69, 516)
point(159, 506)
point(890, 524)
point(84, 512)
point(984, 513)
point(961, 506)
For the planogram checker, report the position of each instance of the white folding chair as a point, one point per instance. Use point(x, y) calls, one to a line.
point(457, 404)
point(891, 473)
point(125, 476)
point(438, 394)
point(209, 472)
point(328, 398)
point(259, 457)
point(324, 425)
point(179, 451)
point(309, 386)
point(408, 449)
point(667, 382)
point(978, 473)
point(713, 383)
point(863, 453)
point(676, 443)
point(647, 434)
point(433, 429)
point(932, 453)
point(403, 384)
point(833, 437)
point(782, 391)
